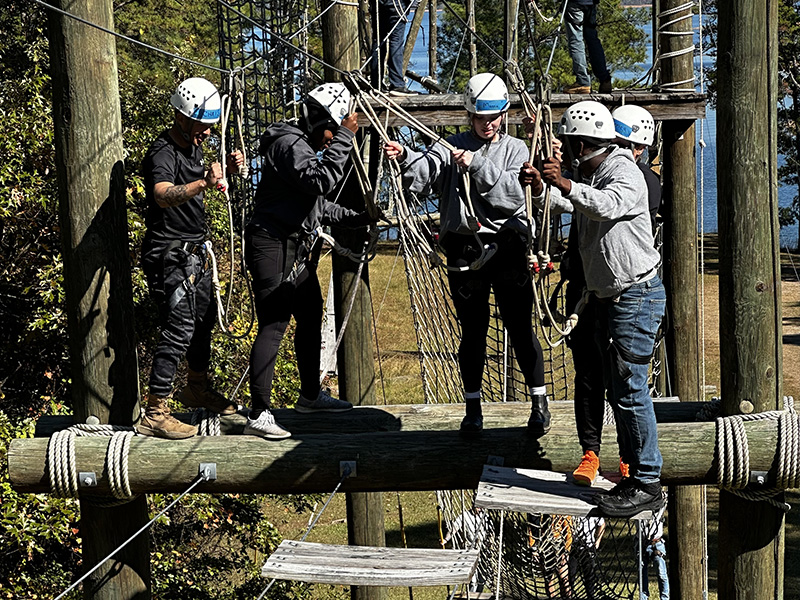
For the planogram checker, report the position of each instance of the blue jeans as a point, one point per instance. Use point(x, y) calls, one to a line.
point(626, 333)
point(581, 21)
point(391, 14)
point(655, 553)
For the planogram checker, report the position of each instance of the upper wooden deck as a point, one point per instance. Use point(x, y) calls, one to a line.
point(448, 109)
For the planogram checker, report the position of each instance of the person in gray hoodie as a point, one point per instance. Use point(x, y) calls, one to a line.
point(609, 202)
point(290, 204)
point(484, 238)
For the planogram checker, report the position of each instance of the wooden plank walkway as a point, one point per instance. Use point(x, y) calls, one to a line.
point(370, 565)
point(545, 492)
point(448, 109)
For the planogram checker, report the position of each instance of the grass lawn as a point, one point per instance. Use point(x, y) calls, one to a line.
point(399, 367)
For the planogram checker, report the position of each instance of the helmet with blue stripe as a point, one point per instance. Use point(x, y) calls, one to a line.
point(634, 124)
point(486, 94)
point(198, 99)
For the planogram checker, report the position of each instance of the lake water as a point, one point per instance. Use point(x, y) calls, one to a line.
point(706, 157)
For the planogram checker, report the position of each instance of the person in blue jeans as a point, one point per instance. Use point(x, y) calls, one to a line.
point(581, 22)
point(609, 202)
point(654, 552)
point(391, 39)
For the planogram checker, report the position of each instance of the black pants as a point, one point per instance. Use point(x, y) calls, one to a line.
point(590, 391)
point(506, 273)
point(181, 286)
point(279, 297)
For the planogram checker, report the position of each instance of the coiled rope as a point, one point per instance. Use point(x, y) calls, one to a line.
point(733, 456)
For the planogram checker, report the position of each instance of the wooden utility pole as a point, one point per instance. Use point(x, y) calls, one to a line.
point(97, 281)
point(750, 533)
point(679, 209)
point(473, 57)
point(365, 525)
point(433, 37)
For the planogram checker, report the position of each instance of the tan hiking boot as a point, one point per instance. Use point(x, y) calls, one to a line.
point(577, 88)
point(158, 422)
point(198, 393)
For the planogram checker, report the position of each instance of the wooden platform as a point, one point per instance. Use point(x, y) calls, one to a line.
point(448, 109)
point(369, 565)
point(533, 491)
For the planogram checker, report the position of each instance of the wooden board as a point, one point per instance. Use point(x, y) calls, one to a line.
point(534, 491)
point(448, 109)
point(370, 565)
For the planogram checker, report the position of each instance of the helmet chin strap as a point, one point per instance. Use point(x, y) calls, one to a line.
point(184, 134)
point(577, 162)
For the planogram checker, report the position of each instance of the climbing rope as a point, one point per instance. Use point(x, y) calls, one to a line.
point(208, 423)
point(733, 457)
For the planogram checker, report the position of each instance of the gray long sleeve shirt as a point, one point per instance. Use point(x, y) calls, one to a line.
point(613, 220)
point(497, 197)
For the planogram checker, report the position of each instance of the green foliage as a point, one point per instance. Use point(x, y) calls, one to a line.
point(789, 104)
point(620, 31)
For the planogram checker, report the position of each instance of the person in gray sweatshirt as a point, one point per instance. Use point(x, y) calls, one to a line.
point(484, 236)
point(609, 202)
point(290, 204)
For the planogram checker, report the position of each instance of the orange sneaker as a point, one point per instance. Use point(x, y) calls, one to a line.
point(587, 471)
point(624, 469)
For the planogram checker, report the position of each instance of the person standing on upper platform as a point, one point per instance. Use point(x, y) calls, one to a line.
point(581, 22)
point(610, 209)
point(484, 237)
point(174, 257)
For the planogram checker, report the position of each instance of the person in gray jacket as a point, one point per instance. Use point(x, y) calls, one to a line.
point(484, 238)
point(290, 205)
point(609, 203)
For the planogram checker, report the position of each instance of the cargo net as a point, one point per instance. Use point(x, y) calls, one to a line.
point(531, 555)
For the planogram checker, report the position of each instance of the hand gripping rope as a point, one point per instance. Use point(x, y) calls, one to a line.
point(360, 87)
point(540, 262)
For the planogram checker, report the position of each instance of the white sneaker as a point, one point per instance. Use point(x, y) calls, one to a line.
point(265, 426)
point(324, 403)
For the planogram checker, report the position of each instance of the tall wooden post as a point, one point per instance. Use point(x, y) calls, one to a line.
point(750, 533)
point(97, 283)
point(413, 31)
point(433, 36)
point(357, 363)
point(679, 209)
point(473, 56)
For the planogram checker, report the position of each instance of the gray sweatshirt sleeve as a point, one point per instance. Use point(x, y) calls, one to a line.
point(618, 198)
point(558, 204)
point(312, 176)
point(423, 171)
point(498, 186)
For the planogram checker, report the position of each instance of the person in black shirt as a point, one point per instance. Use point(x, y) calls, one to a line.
point(174, 257)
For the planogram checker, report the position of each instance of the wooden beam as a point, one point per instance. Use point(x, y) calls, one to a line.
point(448, 109)
point(97, 273)
point(408, 417)
point(385, 461)
point(751, 534)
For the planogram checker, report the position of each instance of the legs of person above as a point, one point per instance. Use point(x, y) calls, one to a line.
point(574, 20)
point(630, 325)
point(597, 56)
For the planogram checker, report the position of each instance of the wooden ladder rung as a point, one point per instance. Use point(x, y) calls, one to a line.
point(545, 492)
point(370, 565)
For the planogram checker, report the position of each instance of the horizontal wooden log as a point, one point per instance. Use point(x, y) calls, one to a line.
point(448, 109)
point(385, 461)
point(408, 417)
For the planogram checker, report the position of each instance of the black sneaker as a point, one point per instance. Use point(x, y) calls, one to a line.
point(539, 422)
point(471, 425)
point(632, 498)
point(401, 92)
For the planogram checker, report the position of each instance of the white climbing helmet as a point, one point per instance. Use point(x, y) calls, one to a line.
point(486, 94)
point(634, 124)
point(588, 119)
point(334, 98)
point(198, 99)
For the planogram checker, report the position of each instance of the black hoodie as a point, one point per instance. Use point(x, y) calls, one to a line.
point(290, 198)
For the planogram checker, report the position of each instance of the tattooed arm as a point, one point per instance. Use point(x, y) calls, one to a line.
point(168, 194)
